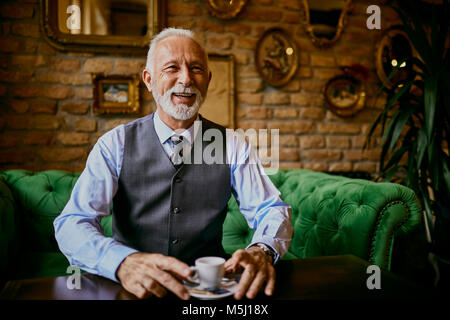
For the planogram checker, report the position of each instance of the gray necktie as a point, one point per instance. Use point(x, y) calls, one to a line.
point(177, 155)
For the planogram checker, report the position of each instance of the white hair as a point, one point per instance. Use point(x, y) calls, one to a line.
point(169, 32)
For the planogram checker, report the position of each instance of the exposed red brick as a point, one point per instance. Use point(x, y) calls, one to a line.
point(66, 65)
point(254, 99)
point(9, 44)
point(75, 107)
point(311, 142)
point(73, 138)
point(293, 126)
point(183, 9)
point(86, 125)
point(62, 154)
point(258, 112)
point(16, 11)
point(43, 107)
point(15, 156)
point(129, 66)
point(98, 65)
point(321, 154)
point(46, 122)
point(26, 29)
point(285, 113)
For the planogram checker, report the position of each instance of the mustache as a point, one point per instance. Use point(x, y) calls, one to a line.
point(179, 88)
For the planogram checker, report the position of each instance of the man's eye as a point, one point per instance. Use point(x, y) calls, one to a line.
point(197, 69)
point(171, 68)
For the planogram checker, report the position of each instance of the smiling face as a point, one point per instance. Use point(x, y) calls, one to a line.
point(180, 78)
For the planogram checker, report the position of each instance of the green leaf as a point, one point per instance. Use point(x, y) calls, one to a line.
point(412, 178)
point(387, 133)
point(421, 146)
point(390, 173)
point(434, 168)
point(442, 32)
point(446, 175)
point(372, 129)
point(429, 212)
point(395, 158)
point(413, 25)
point(446, 92)
point(417, 62)
point(398, 128)
point(435, 50)
point(398, 94)
point(430, 96)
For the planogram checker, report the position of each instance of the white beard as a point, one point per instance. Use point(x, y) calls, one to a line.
point(179, 111)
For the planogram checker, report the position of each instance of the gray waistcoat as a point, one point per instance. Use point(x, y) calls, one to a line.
point(160, 209)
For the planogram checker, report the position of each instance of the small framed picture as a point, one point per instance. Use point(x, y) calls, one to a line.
point(116, 94)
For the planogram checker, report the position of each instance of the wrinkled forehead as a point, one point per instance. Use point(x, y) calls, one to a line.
point(179, 48)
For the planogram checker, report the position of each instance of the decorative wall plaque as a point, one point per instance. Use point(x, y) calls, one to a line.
point(225, 9)
point(345, 94)
point(276, 57)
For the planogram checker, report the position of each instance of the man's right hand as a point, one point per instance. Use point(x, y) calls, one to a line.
point(147, 274)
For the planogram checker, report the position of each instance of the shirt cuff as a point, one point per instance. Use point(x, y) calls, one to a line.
point(277, 255)
point(112, 260)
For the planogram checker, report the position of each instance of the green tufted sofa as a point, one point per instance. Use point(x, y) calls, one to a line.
point(331, 215)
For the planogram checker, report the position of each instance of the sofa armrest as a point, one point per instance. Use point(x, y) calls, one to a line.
point(8, 229)
point(338, 215)
point(334, 215)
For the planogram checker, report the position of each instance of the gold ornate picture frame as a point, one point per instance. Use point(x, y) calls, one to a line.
point(57, 15)
point(312, 30)
point(276, 57)
point(345, 95)
point(393, 47)
point(116, 94)
point(225, 9)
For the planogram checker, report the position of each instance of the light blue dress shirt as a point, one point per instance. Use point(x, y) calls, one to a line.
point(80, 235)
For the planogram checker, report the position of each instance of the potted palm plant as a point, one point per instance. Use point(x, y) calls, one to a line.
point(415, 122)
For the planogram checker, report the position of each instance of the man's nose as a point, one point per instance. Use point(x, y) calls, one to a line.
point(185, 77)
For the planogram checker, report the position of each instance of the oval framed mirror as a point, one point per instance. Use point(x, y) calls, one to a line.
point(394, 49)
point(324, 20)
point(101, 25)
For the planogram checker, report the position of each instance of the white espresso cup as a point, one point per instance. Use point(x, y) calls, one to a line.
point(209, 271)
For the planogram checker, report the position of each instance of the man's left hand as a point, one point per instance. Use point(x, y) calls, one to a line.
point(257, 270)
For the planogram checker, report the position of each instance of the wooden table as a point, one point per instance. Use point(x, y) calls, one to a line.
point(322, 278)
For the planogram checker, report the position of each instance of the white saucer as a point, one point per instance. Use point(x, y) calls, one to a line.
point(227, 288)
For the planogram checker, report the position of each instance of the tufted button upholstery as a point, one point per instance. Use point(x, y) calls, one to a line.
point(40, 197)
point(335, 215)
point(8, 228)
point(331, 215)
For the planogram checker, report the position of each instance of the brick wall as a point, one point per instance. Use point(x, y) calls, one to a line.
point(46, 119)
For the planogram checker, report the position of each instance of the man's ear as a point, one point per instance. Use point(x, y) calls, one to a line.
point(147, 78)
point(209, 79)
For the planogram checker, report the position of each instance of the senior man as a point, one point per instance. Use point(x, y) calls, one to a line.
point(166, 212)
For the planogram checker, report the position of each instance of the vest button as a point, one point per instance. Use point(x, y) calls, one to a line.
point(178, 180)
point(174, 241)
point(176, 210)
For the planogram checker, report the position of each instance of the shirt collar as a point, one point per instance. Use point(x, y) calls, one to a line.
point(164, 132)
